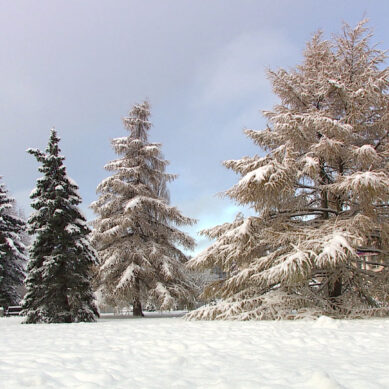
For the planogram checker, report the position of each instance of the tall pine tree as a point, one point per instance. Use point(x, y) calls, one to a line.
point(319, 244)
point(134, 233)
point(12, 251)
point(59, 271)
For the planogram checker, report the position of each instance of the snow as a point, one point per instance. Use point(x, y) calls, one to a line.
point(72, 228)
point(336, 84)
point(258, 175)
point(310, 163)
point(128, 275)
point(33, 192)
point(239, 231)
point(336, 249)
point(11, 244)
point(291, 264)
point(152, 148)
point(174, 353)
point(365, 181)
point(164, 295)
point(134, 202)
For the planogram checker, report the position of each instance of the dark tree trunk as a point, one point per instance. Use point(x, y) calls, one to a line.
point(137, 305)
point(335, 289)
point(334, 292)
point(67, 318)
point(324, 193)
point(137, 308)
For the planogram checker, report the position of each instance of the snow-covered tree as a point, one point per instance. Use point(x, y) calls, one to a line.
point(136, 233)
point(58, 283)
point(12, 251)
point(319, 242)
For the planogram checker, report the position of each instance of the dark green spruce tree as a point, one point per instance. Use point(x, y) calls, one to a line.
point(59, 271)
point(12, 251)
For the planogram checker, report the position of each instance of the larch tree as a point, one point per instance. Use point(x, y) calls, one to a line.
point(136, 232)
point(59, 280)
point(13, 252)
point(319, 242)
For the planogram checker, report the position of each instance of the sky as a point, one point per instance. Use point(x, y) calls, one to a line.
point(80, 65)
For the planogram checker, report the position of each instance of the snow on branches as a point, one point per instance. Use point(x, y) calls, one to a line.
point(321, 194)
point(136, 232)
point(13, 256)
point(59, 275)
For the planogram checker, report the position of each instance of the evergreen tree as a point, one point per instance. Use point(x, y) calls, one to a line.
point(319, 242)
point(59, 271)
point(134, 233)
point(12, 251)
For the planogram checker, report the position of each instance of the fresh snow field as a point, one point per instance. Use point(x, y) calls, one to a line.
point(174, 353)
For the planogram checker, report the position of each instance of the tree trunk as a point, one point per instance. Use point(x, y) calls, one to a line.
point(137, 305)
point(324, 193)
point(67, 317)
point(335, 289)
point(334, 292)
point(137, 308)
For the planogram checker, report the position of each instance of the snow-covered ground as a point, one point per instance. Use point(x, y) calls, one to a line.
point(174, 353)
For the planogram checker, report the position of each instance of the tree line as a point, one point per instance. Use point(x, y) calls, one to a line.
point(318, 243)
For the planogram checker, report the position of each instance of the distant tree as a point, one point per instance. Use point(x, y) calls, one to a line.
point(134, 233)
point(319, 244)
point(59, 271)
point(12, 251)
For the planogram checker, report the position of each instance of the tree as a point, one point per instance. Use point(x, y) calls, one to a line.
point(319, 242)
point(135, 233)
point(59, 271)
point(12, 251)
